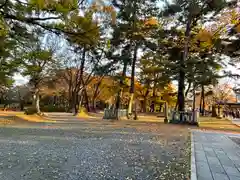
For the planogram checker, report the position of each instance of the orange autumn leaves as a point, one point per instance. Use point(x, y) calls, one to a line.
point(100, 7)
point(151, 21)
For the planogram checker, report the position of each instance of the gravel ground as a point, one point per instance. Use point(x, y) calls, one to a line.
point(94, 150)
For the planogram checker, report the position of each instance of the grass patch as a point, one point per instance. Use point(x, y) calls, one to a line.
point(217, 124)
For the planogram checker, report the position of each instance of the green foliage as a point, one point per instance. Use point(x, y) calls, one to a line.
point(3, 28)
point(9, 64)
point(168, 51)
point(86, 31)
point(152, 69)
point(50, 6)
point(38, 63)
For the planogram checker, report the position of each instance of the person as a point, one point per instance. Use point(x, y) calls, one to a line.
point(233, 114)
point(237, 113)
point(152, 107)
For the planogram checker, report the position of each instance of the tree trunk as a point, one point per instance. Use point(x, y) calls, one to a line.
point(119, 95)
point(160, 108)
point(21, 105)
point(79, 103)
point(93, 104)
point(95, 94)
point(86, 99)
point(132, 88)
point(70, 104)
point(80, 99)
point(188, 89)
point(79, 82)
point(70, 95)
point(214, 113)
point(130, 104)
point(36, 101)
point(135, 110)
point(5, 105)
point(203, 101)
point(181, 84)
point(200, 108)
point(194, 103)
point(74, 102)
point(144, 108)
point(154, 98)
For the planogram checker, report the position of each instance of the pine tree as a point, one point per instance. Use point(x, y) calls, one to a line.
point(132, 29)
point(38, 63)
point(188, 14)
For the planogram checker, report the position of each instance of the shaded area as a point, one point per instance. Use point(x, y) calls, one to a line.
point(94, 150)
point(236, 140)
point(216, 156)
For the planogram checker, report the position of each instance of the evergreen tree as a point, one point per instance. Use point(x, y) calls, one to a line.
point(38, 64)
point(188, 14)
point(132, 29)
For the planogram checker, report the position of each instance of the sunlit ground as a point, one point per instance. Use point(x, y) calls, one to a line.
point(15, 116)
point(210, 123)
point(94, 149)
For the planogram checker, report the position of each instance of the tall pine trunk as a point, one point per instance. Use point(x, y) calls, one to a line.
point(194, 102)
point(95, 94)
point(70, 97)
point(200, 108)
point(78, 103)
point(154, 97)
point(203, 100)
point(75, 102)
point(132, 87)
point(86, 99)
point(181, 84)
point(80, 100)
point(144, 108)
point(119, 95)
point(188, 88)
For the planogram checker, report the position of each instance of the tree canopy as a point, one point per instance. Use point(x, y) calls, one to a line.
point(140, 47)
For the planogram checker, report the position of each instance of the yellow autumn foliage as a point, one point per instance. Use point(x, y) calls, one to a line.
point(151, 21)
point(204, 36)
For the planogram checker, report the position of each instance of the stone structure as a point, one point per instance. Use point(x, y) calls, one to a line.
point(113, 114)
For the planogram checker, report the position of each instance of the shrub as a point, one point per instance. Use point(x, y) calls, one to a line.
point(51, 108)
point(30, 111)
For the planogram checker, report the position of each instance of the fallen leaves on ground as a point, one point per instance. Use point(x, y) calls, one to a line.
point(218, 124)
point(33, 118)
